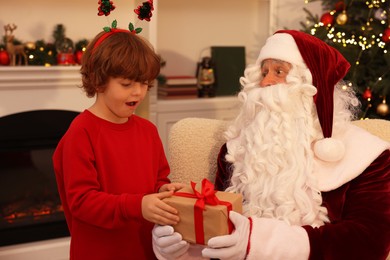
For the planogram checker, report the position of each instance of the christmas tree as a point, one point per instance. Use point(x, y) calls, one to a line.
point(360, 30)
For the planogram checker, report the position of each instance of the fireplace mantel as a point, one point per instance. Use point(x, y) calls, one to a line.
point(25, 88)
point(25, 77)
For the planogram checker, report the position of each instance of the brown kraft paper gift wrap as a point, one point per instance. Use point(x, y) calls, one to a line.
point(197, 224)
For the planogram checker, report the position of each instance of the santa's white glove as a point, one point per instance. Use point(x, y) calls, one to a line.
point(231, 246)
point(168, 244)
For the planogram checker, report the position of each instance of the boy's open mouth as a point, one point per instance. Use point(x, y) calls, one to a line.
point(132, 103)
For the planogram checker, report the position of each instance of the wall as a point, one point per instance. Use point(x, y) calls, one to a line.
point(187, 29)
point(287, 14)
point(36, 20)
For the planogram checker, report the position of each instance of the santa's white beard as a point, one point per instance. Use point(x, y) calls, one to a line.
point(269, 145)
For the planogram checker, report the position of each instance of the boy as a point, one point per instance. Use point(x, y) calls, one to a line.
point(110, 163)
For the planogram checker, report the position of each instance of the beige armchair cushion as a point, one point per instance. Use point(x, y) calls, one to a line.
point(378, 127)
point(194, 145)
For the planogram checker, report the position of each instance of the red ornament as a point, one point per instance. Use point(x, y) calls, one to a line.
point(367, 93)
point(327, 19)
point(78, 55)
point(4, 57)
point(386, 35)
point(339, 6)
point(65, 59)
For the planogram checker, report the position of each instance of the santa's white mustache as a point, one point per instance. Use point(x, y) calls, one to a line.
point(279, 97)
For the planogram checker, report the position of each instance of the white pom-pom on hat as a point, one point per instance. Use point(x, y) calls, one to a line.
point(329, 149)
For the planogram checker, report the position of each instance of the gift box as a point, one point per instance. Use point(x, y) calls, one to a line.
point(204, 214)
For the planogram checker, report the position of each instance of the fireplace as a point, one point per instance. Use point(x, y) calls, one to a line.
point(30, 207)
point(37, 105)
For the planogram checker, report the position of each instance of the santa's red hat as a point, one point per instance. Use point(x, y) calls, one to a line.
point(326, 65)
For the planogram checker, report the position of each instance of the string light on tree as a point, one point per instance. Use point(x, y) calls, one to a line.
point(360, 30)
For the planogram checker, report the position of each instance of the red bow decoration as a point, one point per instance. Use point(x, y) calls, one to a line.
point(105, 7)
point(205, 197)
point(144, 11)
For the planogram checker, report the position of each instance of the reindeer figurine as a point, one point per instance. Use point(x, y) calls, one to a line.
point(13, 50)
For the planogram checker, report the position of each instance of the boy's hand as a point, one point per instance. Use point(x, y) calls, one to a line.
point(171, 187)
point(157, 211)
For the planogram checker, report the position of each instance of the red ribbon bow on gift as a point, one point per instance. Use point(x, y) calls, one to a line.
point(203, 198)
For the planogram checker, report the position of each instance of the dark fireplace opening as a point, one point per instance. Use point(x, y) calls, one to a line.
point(30, 207)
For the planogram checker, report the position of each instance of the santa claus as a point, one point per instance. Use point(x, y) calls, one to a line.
point(314, 185)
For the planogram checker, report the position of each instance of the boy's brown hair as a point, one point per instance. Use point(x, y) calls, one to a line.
point(122, 54)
